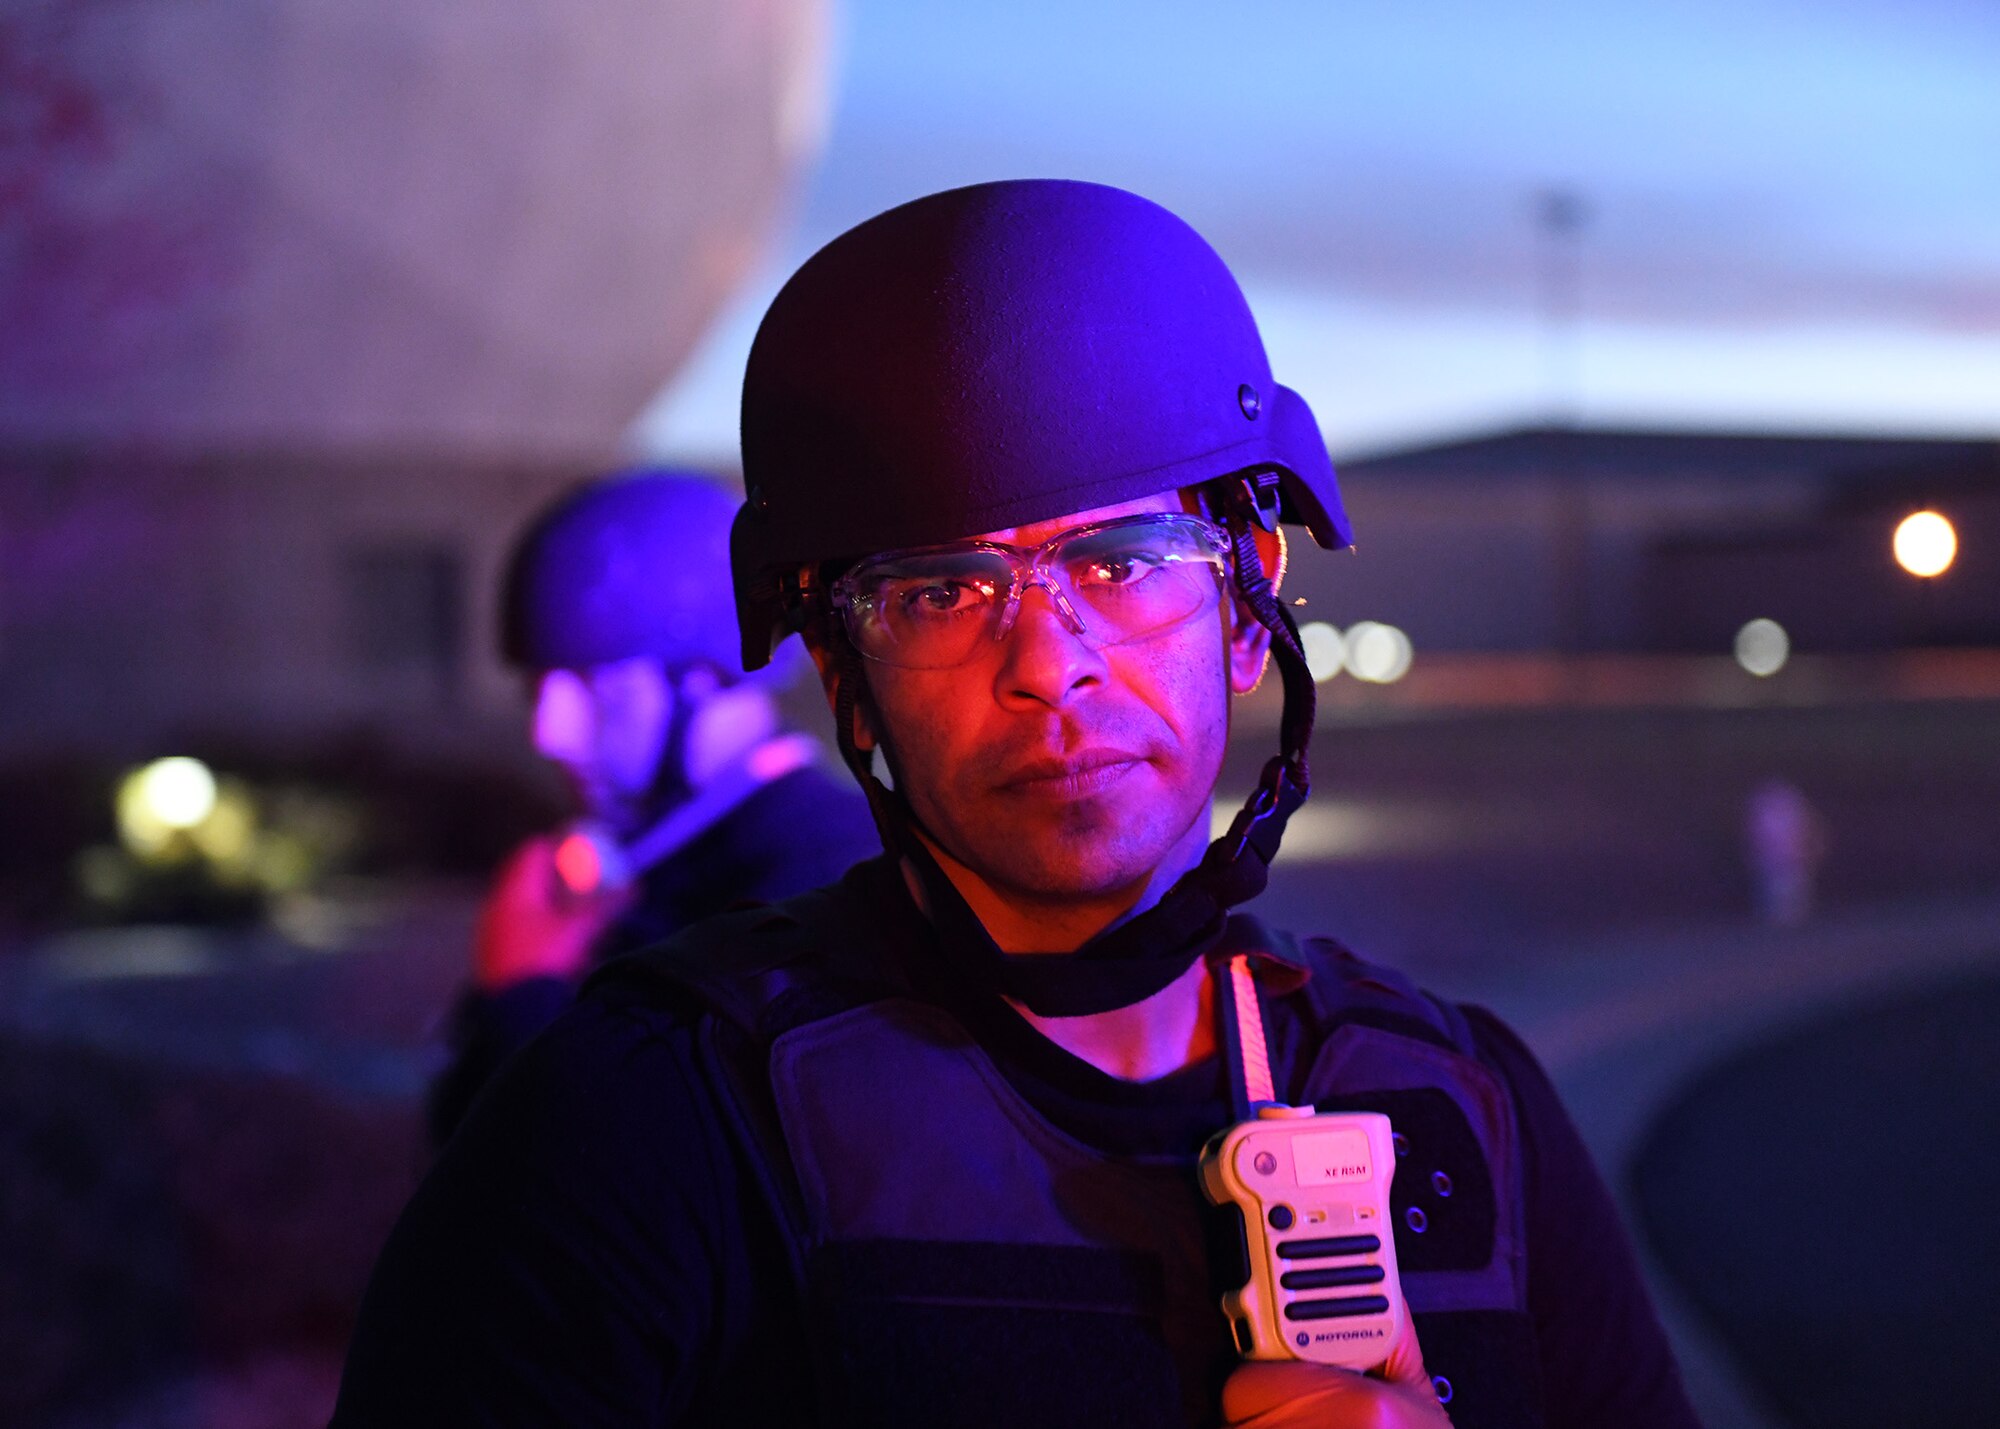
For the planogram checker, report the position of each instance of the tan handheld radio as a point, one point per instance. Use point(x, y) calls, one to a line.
point(1313, 1190)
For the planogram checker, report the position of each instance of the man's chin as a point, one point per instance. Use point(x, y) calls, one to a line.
point(1080, 851)
point(1073, 874)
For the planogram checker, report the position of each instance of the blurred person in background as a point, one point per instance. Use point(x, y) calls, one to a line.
point(692, 795)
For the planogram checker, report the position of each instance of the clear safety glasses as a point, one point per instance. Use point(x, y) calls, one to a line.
point(1111, 581)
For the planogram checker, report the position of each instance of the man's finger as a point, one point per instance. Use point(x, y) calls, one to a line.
point(1264, 1386)
point(1405, 1364)
point(1296, 1391)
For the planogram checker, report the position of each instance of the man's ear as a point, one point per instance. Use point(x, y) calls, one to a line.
point(1249, 641)
point(828, 665)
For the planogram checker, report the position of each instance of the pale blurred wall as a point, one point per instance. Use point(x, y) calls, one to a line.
point(310, 303)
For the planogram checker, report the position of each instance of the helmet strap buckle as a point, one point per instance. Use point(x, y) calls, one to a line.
point(1256, 497)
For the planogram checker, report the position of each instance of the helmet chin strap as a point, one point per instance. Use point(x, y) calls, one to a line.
point(1141, 955)
point(669, 787)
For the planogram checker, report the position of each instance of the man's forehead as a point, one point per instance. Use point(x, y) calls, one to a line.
point(1040, 531)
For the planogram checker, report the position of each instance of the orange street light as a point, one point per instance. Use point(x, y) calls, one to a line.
point(1925, 544)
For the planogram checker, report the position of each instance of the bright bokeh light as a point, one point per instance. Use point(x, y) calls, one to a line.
point(1377, 653)
point(1762, 647)
point(1926, 544)
point(1325, 650)
point(180, 791)
point(161, 799)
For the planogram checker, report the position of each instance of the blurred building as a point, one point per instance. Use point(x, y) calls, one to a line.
point(292, 599)
point(282, 600)
point(1558, 539)
point(306, 307)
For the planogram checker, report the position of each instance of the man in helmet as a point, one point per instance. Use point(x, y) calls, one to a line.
point(920, 1148)
point(692, 796)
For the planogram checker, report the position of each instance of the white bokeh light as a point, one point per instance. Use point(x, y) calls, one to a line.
point(1762, 647)
point(163, 799)
point(1325, 650)
point(179, 792)
point(1377, 653)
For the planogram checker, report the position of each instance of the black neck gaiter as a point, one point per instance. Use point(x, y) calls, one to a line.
point(1126, 963)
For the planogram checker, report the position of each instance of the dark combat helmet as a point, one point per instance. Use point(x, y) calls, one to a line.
point(624, 566)
point(994, 356)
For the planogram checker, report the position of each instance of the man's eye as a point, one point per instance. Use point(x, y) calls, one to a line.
point(1125, 569)
point(930, 598)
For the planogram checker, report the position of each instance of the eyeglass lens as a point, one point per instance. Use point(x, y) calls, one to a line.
point(931, 609)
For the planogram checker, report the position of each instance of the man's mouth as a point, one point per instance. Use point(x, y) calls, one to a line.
point(1088, 771)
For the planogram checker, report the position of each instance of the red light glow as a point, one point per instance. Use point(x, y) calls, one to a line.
point(578, 864)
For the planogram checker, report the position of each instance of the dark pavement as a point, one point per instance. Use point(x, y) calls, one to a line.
point(206, 1137)
point(1825, 1198)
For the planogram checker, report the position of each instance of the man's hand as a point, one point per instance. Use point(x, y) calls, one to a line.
point(533, 926)
point(1292, 1394)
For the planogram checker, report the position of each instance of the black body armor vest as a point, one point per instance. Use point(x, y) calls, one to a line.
point(962, 1261)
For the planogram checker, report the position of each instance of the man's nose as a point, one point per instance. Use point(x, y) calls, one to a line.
point(1045, 661)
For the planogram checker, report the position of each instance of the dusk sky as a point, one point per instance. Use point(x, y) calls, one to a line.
point(1793, 209)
